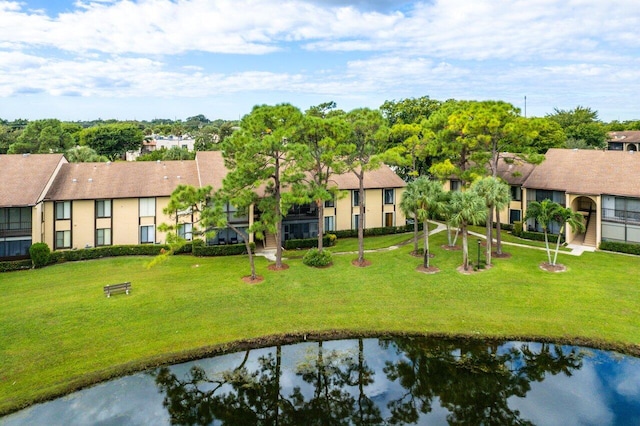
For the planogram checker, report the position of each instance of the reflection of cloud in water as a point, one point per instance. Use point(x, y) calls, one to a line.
point(628, 379)
point(132, 400)
point(565, 401)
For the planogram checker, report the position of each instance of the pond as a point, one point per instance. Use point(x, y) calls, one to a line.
point(367, 382)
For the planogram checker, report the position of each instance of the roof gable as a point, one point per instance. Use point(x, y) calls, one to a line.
point(25, 177)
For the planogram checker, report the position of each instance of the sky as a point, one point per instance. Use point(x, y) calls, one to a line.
point(146, 59)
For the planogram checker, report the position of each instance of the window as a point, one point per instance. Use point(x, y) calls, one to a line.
point(15, 219)
point(330, 203)
point(515, 216)
point(329, 223)
point(516, 193)
point(389, 196)
point(147, 234)
point(356, 221)
point(147, 207)
point(63, 239)
point(103, 208)
point(455, 185)
point(63, 210)
point(355, 196)
point(103, 237)
point(185, 230)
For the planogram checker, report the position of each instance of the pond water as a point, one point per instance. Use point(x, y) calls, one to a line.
point(367, 382)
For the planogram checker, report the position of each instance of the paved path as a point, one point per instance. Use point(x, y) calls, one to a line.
point(576, 250)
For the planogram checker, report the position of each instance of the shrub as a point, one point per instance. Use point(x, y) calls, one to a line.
point(539, 236)
point(620, 247)
point(308, 243)
point(332, 240)
point(317, 258)
point(40, 254)
point(226, 250)
point(517, 228)
point(15, 265)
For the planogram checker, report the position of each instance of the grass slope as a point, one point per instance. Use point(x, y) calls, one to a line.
point(59, 332)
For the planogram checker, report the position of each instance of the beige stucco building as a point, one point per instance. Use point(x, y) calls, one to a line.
point(79, 205)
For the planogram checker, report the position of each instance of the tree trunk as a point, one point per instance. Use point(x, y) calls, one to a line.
point(489, 235)
point(498, 233)
point(361, 218)
point(415, 233)
point(465, 248)
point(320, 205)
point(555, 256)
point(426, 244)
point(546, 244)
point(247, 244)
point(278, 214)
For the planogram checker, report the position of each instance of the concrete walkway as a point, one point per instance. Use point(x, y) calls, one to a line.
point(576, 249)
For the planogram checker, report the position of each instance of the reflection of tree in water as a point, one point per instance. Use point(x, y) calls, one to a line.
point(472, 379)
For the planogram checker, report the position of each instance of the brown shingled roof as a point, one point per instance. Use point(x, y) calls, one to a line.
point(588, 172)
point(86, 181)
point(211, 169)
point(624, 136)
point(514, 170)
point(382, 177)
point(25, 177)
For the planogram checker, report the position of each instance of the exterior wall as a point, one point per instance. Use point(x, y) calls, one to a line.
point(375, 209)
point(83, 224)
point(572, 201)
point(124, 213)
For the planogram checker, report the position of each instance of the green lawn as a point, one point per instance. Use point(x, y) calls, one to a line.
point(60, 332)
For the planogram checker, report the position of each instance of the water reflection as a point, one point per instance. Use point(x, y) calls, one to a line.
point(472, 380)
point(368, 382)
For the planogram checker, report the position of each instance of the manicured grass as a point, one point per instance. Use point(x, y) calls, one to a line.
point(60, 332)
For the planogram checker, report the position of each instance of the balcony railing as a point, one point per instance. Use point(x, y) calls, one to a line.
point(621, 216)
point(20, 232)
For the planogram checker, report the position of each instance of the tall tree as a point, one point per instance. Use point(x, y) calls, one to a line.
point(467, 208)
point(496, 195)
point(113, 140)
point(42, 136)
point(544, 212)
point(367, 138)
point(581, 126)
point(566, 216)
point(409, 110)
point(425, 198)
point(264, 154)
point(325, 136)
point(84, 154)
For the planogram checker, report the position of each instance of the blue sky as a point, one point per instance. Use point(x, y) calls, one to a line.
point(145, 59)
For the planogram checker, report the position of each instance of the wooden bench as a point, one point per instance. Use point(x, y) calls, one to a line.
point(115, 288)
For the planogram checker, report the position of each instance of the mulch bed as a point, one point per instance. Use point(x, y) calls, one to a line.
point(429, 270)
point(500, 256)
point(471, 271)
point(418, 254)
point(450, 248)
point(273, 267)
point(257, 280)
point(546, 266)
point(362, 264)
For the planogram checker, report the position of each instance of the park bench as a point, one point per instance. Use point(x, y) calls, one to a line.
point(115, 288)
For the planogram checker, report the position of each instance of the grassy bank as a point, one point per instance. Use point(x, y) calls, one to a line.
point(60, 332)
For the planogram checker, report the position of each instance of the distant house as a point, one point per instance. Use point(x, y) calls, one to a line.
point(628, 140)
point(76, 205)
point(26, 178)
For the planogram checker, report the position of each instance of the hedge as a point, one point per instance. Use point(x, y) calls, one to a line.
point(539, 236)
point(222, 250)
point(307, 243)
point(15, 265)
point(107, 251)
point(620, 247)
point(385, 230)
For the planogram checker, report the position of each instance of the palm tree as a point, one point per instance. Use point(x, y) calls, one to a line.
point(409, 206)
point(496, 196)
point(428, 201)
point(421, 199)
point(566, 216)
point(467, 208)
point(544, 213)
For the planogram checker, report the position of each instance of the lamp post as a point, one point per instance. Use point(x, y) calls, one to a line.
point(479, 242)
